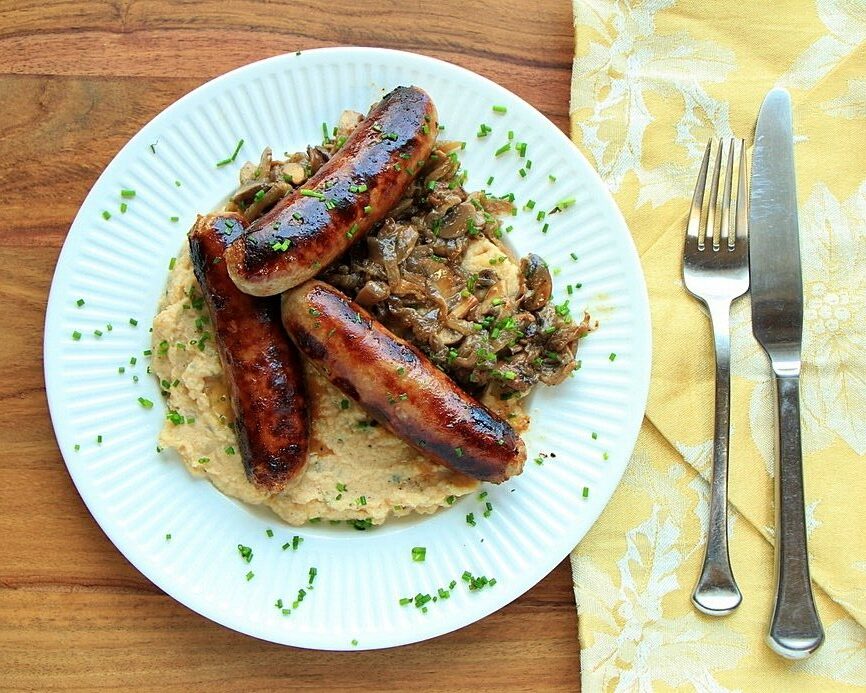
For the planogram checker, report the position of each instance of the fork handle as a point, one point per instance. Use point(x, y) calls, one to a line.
point(716, 592)
point(795, 630)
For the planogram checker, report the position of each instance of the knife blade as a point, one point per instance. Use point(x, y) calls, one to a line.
point(777, 323)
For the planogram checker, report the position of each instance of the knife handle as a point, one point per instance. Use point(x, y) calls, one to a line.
point(795, 630)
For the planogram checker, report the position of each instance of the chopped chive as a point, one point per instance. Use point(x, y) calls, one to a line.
point(458, 452)
point(79, 302)
point(573, 256)
point(127, 193)
point(175, 219)
point(419, 554)
point(203, 460)
point(76, 447)
point(490, 180)
point(511, 134)
point(612, 356)
point(313, 572)
point(99, 439)
point(520, 148)
point(545, 227)
point(133, 322)
point(569, 289)
point(504, 148)
point(551, 178)
point(528, 164)
point(177, 183)
point(541, 214)
point(500, 109)
point(269, 532)
point(146, 403)
point(168, 537)
point(106, 214)
point(171, 263)
point(98, 333)
point(354, 642)
point(250, 575)
point(123, 207)
point(229, 450)
point(585, 492)
point(530, 204)
point(231, 159)
point(296, 542)
point(313, 193)
point(121, 370)
point(470, 519)
point(450, 500)
point(522, 173)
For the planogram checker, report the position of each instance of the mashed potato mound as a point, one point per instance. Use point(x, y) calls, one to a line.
point(357, 470)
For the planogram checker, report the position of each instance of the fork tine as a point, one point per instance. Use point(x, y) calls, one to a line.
point(710, 231)
point(724, 226)
point(741, 225)
point(693, 228)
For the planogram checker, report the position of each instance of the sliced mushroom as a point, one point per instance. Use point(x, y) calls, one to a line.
point(269, 199)
point(318, 156)
point(293, 172)
point(248, 191)
point(539, 285)
point(373, 292)
point(456, 221)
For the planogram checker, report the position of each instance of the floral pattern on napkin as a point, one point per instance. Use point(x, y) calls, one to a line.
point(652, 82)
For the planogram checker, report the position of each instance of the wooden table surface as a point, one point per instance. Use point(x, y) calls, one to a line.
point(77, 79)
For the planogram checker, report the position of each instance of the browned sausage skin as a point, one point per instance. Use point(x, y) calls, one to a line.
point(311, 227)
point(262, 367)
point(397, 385)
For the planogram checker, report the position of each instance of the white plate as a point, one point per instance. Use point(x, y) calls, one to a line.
point(118, 266)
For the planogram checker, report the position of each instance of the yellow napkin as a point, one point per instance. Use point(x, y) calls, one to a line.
point(652, 82)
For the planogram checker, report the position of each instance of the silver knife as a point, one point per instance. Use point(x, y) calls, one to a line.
point(777, 322)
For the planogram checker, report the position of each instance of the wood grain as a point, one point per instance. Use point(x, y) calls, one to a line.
point(78, 78)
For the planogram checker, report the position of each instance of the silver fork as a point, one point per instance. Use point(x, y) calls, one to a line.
point(716, 272)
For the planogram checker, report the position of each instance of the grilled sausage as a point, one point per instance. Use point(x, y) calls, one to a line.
point(311, 227)
point(261, 365)
point(399, 386)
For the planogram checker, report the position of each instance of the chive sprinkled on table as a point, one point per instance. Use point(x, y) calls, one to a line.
point(419, 554)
